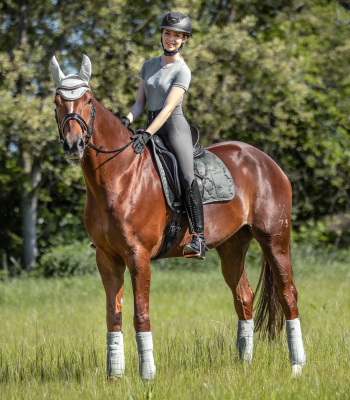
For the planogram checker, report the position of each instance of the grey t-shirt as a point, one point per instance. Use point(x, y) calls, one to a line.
point(159, 80)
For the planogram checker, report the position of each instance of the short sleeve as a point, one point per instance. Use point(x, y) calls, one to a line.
point(183, 78)
point(143, 71)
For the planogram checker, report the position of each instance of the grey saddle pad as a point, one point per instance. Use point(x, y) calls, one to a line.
point(217, 180)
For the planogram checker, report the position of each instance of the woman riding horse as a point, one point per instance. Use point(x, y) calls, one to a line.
point(164, 80)
point(126, 213)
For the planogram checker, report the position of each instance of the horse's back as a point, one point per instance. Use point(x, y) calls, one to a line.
point(244, 160)
point(262, 190)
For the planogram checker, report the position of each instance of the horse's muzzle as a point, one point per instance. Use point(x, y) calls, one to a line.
point(74, 149)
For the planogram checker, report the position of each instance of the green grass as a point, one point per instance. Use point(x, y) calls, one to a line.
point(52, 338)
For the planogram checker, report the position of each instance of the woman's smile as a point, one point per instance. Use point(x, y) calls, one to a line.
point(172, 40)
point(169, 44)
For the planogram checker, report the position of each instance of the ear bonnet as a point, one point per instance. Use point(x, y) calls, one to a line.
point(71, 87)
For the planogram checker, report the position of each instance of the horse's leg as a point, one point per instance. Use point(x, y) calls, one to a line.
point(112, 274)
point(278, 280)
point(232, 254)
point(140, 271)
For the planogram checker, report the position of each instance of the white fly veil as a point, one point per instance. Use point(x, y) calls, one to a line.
point(71, 87)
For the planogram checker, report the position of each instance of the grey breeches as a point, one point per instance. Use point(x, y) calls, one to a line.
point(176, 136)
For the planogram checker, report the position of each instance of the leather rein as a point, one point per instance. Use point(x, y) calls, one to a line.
point(89, 129)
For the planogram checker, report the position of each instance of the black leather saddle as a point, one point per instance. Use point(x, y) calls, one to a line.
point(170, 167)
point(169, 162)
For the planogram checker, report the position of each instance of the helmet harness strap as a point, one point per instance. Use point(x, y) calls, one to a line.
point(170, 53)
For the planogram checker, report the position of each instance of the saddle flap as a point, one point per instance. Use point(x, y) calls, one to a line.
point(169, 164)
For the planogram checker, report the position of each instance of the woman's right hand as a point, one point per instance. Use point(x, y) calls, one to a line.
point(140, 138)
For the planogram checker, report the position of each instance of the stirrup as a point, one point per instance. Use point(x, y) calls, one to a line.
point(198, 255)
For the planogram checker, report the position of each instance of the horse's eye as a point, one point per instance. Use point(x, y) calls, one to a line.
point(90, 101)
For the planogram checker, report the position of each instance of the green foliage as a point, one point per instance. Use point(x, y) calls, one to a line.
point(272, 74)
point(79, 259)
point(67, 261)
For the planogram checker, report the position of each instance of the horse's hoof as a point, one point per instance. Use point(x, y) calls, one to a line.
point(296, 370)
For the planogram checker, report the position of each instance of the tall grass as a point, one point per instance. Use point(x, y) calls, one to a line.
point(52, 338)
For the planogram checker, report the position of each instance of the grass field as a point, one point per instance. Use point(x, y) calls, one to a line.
point(52, 339)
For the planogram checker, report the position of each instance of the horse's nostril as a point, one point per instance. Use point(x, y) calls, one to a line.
point(81, 144)
point(65, 145)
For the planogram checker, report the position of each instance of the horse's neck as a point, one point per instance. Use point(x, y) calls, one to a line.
point(100, 172)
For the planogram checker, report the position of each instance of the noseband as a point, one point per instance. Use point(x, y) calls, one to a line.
point(89, 129)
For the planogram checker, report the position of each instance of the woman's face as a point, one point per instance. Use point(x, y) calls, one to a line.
point(172, 40)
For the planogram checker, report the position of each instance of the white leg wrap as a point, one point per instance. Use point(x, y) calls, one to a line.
point(244, 342)
point(115, 354)
point(147, 368)
point(295, 343)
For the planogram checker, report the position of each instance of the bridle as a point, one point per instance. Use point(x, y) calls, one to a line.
point(87, 130)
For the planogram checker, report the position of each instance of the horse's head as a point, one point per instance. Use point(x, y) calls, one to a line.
point(74, 107)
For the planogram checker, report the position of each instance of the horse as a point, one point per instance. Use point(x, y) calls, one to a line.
point(126, 214)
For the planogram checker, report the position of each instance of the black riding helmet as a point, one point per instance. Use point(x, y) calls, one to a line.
point(177, 22)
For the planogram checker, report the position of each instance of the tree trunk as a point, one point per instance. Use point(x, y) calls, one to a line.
point(22, 24)
point(29, 210)
point(4, 263)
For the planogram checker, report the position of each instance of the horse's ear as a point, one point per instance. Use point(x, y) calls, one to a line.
point(56, 73)
point(85, 69)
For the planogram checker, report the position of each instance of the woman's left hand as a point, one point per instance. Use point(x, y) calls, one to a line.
point(141, 138)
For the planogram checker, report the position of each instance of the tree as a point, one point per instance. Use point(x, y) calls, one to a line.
point(270, 73)
point(32, 162)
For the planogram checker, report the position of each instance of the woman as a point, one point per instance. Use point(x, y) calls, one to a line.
point(164, 80)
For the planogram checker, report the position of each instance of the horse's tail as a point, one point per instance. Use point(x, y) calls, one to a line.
point(270, 317)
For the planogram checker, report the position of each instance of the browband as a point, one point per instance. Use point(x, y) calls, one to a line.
point(73, 87)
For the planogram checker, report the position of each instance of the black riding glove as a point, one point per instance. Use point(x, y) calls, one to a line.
point(141, 137)
point(125, 121)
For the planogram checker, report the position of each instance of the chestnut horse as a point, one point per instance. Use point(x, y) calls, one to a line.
point(126, 214)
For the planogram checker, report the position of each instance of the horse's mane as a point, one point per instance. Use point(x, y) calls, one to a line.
point(110, 112)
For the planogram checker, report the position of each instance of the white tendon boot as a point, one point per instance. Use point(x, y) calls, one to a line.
point(297, 356)
point(244, 342)
point(147, 368)
point(115, 355)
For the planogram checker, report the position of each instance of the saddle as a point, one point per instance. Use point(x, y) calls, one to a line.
point(169, 162)
point(213, 178)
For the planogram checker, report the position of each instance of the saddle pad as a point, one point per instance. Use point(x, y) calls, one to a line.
point(217, 182)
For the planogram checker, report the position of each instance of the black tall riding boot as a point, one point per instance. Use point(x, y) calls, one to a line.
point(194, 207)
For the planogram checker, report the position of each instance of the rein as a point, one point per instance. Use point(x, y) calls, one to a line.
point(89, 129)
